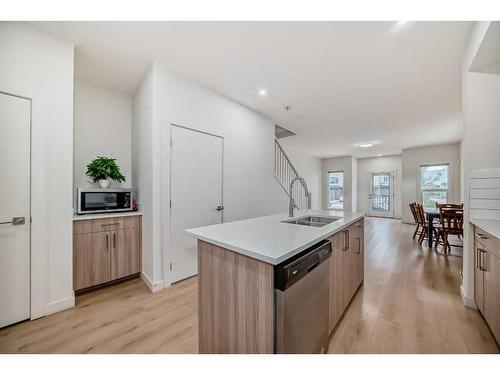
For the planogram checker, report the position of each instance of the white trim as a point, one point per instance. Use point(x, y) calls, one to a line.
point(392, 199)
point(467, 300)
point(451, 188)
point(59, 305)
point(154, 287)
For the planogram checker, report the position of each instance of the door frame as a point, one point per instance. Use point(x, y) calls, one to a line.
point(169, 260)
point(393, 174)
point(31, 266)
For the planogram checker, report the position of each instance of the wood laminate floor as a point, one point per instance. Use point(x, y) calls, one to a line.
point(409, 304)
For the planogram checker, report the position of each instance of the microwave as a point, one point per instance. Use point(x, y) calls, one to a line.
point(94, 200)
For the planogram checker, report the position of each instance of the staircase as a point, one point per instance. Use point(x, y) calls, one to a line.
point(285, 172)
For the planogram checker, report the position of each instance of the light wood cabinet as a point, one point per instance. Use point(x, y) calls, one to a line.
point(346, 269)
point(125, 253)
point(336, 305)
point(478, 277)
point(105, 250)
point(91, 259)
point(487, 279)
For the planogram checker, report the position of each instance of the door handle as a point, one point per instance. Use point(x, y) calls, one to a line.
point(219, 207)
point(19, 220)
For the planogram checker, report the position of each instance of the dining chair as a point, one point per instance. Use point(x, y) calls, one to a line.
point(457, 206)
point(423, 223)
point(451, 223)
point(415, 218)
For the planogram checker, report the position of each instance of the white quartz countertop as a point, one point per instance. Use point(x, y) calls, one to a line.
point(489, 225)
point(268, 239)
point(108, 215)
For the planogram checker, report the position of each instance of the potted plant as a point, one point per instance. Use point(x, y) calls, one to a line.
point(101, 169)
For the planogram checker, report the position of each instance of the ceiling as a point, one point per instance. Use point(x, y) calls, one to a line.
point(345, 82)
point(487, 59)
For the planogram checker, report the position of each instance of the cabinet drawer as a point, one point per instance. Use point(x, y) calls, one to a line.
point(487, 240)
point(103, 225)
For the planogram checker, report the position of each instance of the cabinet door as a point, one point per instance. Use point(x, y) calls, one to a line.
point(478, 278)
point(491, 313)
point(359, 252)
point(335, 301)
point(125, 253)
point(347, 269)
point(91, 259)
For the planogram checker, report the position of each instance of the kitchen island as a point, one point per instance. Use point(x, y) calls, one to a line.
point(236, 274)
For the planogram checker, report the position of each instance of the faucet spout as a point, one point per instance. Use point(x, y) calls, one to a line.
point(292, 203)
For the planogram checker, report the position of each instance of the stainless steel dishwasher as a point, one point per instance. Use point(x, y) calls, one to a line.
point(301, 296)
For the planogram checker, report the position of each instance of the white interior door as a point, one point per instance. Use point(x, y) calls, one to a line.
point(14, 209)
point(195, 193)
point(381, 194)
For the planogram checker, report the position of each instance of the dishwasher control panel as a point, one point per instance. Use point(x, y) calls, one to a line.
point(292, 270)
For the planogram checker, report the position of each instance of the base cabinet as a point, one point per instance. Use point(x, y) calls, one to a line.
point(487, 279)
point(91, 260)
point(346, 269)
point(105, 250)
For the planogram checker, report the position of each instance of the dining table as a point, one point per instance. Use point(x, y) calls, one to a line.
point(431, 213)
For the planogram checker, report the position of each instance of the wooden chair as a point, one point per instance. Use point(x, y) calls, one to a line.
point(414, 213)
point(451, 223)
point(419, 209)
point(457, 206)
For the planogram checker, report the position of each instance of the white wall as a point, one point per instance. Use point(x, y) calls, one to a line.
point(102, 127)
point(413, 158)
point(348, 165)
point(308, 167)
point(481, 113)
point(379, 164)
point(37, 66)
point(142, 175)
point(249, 186)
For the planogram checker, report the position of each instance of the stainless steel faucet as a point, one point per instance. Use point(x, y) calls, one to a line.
point(292, 202)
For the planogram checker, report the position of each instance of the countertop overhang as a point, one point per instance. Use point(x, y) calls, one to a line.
point(268, 239)
point(106, 215)
point(489, 225)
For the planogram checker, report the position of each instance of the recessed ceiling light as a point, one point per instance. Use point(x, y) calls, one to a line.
point(401, 23)
point(379, 155)
point(262, 92)
point(366, 144)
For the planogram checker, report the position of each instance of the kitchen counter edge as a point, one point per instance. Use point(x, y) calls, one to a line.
point(274, 261)
point(105, 215)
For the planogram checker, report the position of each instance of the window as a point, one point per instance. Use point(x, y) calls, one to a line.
point(336, 190)
point(434, 184)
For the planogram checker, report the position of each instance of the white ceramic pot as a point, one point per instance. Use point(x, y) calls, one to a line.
point(104, 183)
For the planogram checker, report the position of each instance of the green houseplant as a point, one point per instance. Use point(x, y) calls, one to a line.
point(101, 169)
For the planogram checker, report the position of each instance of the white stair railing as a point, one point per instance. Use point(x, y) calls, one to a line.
point(285, 172)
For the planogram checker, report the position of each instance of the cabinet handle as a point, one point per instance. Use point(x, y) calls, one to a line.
point(478, 266)
point(481, 266)
point(114, 240)
point(346, 240)
point(109, 225)
point(359, 245)
point(107, 241)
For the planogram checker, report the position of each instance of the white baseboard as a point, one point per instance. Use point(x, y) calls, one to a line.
point(154, 287)
point(468, 301)
point(60, 305)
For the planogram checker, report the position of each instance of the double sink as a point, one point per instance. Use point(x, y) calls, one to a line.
point(313, 221)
